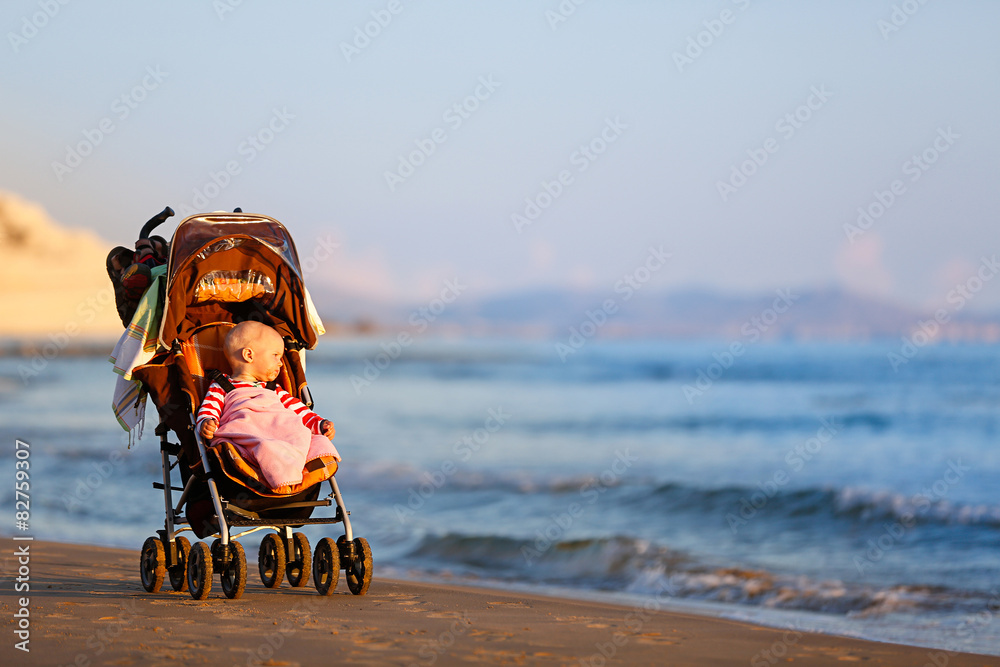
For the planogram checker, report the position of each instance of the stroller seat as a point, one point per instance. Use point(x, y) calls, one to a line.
point(204, 353)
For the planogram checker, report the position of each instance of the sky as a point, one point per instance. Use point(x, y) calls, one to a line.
point(518, 145)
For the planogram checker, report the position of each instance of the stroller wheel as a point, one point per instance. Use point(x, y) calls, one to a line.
point(271, 561)
point(199, 571)
point(299, 563)
point(178, 573)
point(359, 572)
point(326, 566)
point(234, 577)
point(152, 565)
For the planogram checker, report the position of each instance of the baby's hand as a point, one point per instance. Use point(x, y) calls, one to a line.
point(208, 428)
point(326, 426)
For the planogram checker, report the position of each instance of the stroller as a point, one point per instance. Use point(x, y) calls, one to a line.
point(225, 268)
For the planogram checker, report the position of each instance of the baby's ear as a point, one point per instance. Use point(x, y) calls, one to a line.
point(247, 354)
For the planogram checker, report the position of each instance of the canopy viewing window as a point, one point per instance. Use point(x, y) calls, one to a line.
point(233, 286)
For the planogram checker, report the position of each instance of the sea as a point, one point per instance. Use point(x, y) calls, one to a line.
point(844, 488)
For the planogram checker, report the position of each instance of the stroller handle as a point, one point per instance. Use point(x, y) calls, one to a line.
point(155, 221)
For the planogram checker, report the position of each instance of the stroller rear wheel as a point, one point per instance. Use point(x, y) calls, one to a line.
point(326, 566)
point(199, 571)
point(234, 576)
point(359, 571)
point(299, 562)
point(271, 561)
point(178, 573)
point(152, 565)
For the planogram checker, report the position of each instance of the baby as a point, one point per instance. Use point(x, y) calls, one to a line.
point(271, 427)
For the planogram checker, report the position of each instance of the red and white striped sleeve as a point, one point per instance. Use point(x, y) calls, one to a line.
point(211, 407)
point(308, 417)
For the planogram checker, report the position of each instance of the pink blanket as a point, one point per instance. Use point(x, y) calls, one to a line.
point(270, 435)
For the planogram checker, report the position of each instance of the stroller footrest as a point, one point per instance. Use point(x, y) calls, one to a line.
point(239, 511)
point(229, 507)
point(305, 503)
point(264, 521)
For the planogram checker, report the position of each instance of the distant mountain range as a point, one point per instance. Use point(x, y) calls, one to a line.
point(819, 314)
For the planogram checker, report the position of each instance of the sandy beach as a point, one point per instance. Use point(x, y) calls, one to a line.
point(87, 608)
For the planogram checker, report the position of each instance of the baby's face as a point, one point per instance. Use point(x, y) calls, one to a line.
point(267, 352)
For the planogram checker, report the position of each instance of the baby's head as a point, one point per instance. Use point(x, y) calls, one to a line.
point(254, 351)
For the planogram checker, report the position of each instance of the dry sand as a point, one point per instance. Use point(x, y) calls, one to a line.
point(88, 608)
point(53, 278)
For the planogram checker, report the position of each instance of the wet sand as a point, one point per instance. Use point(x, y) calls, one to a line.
point(87, 607)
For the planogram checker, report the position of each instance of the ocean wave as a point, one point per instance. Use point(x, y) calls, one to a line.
point(403, 477)
point(643, 494)
point(928, 506)
point(641, 567)
point(727, 422)
point(856, 504)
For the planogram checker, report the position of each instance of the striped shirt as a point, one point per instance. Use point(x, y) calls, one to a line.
point(211, 407)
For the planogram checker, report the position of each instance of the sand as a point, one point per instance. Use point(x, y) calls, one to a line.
point(87, 608)
point(55, 285)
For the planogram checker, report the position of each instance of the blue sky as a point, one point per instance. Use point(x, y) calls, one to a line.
point(199, 82)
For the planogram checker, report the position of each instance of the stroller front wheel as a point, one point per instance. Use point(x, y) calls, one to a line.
point(199, 571)
point(271, 561)
point(299, 562)
point(234, 576)
point(152, 565)
point(326, 566)
point(359, 571)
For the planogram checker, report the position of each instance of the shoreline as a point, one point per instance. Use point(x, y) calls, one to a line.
point(97, 344)
point(87, 607)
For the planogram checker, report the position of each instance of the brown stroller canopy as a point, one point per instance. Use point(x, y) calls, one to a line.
point(229, 267)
